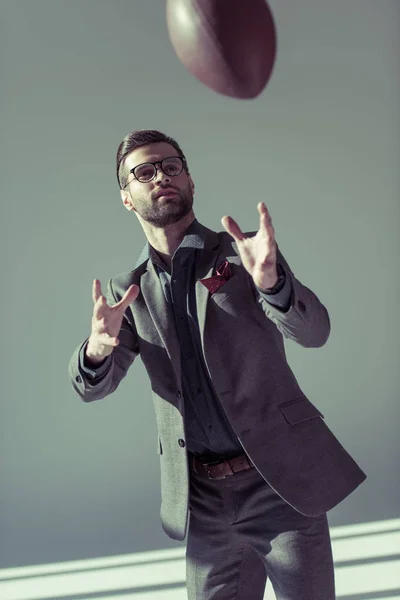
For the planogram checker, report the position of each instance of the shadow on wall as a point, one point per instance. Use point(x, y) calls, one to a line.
point(366, 556)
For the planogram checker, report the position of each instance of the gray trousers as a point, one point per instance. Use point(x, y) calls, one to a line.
point(241, 532)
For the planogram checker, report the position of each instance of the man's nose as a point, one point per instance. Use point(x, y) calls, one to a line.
point(160, 175)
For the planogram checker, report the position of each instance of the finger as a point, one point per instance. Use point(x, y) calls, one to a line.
point(265, 218)
point(96, 290)
point(99, 306)
point(130, 296)
point(232, 228)
point(264, 212)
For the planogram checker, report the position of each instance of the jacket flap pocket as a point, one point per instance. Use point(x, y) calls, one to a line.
point(299, 410)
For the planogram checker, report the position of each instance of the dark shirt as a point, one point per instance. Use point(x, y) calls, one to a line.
point(208, 431)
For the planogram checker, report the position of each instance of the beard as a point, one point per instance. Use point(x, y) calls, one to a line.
point(166, 211)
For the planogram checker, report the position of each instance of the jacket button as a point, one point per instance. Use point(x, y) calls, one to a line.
point(78, 378)
point(178, 395)
point(302, 306)
point(181, 443)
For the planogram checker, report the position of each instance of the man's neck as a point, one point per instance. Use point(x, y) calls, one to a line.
point(166, 240)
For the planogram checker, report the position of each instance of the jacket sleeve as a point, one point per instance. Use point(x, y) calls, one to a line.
point(93, 372)
point(306, 320)
point(280, 295)
point(95, 383)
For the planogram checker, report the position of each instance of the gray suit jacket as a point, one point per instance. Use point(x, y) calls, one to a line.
point(284, 434)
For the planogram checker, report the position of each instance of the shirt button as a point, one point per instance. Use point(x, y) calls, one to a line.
point(179, 394)
point(78, 378)
point(181, 443)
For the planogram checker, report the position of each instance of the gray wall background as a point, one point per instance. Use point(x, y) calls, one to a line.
point(321, 146)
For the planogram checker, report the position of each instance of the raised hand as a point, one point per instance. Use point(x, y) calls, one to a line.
point(106, 322)
point(258, 254)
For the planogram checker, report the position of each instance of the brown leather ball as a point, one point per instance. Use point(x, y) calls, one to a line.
point(229, 45)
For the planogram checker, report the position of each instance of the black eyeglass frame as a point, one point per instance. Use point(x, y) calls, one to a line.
point(154, 164)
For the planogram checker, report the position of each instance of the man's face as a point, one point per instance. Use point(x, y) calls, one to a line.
point(146, 199)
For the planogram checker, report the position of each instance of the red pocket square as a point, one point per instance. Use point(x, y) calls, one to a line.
point(222, 276)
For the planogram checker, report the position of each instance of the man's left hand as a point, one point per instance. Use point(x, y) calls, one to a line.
point(258, 254)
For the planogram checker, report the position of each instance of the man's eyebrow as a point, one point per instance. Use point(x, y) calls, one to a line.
point(151, 159)
point(154, 159)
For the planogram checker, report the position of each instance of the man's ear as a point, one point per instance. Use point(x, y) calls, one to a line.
point(126, 200)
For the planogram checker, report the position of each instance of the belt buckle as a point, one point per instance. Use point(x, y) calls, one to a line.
point(206, 465)
point(210, 476)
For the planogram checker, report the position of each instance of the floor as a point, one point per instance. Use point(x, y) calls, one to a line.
point(367, 567)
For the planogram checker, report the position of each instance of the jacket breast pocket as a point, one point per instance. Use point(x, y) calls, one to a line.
point(227, 289)
point(299, 410)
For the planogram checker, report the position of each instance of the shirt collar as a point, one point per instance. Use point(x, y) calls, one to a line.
point(195, 238)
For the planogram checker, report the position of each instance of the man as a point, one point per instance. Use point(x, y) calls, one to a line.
point(242, 450)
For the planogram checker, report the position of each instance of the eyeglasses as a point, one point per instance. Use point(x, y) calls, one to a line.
point(145, 172)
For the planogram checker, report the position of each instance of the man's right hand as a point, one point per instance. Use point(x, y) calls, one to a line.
point(106, 322)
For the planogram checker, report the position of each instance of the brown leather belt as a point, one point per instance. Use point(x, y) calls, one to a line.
point(223, 468)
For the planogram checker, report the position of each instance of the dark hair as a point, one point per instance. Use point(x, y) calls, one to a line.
point(137, 138)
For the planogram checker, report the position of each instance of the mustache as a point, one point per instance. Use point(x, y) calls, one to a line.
point(165, 189)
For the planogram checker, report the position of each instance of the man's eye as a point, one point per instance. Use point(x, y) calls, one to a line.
point(144, 173)
point(171, 169)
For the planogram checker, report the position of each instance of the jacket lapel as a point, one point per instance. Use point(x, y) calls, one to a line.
point(204, 268)
point(161, 314)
